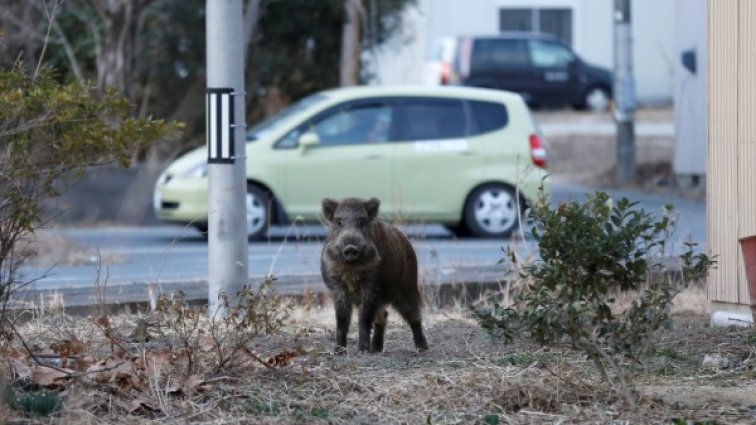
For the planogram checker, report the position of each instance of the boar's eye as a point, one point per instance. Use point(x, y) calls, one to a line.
point(339, 222)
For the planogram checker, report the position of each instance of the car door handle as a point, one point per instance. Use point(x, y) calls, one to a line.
point(374, 156)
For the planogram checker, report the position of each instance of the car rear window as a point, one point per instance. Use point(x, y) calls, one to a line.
point(492, 54)
point(429, 119)
point(487, 116)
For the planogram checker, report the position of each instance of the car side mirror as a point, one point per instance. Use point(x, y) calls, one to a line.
point(308, 140)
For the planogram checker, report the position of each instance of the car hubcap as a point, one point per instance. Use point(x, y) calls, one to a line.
point(495, 211)
point(597, 100)
point(255, 214)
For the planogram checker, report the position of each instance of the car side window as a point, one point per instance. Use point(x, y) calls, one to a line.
point(429, 119)
point(350, 125)
point(492, 54)
point(355, 126)
point(487, 116)
point(546, 54)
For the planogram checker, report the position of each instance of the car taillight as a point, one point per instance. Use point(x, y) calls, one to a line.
point(445, 74)
point(537, 151)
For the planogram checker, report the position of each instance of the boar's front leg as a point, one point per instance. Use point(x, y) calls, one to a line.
point(343, 317)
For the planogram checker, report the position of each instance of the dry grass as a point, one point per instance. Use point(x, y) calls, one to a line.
point(464, 378)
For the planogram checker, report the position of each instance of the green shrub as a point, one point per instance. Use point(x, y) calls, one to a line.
point(591, 252)
point(33, 403)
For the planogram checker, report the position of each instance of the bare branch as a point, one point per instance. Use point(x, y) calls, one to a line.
point(51, 15)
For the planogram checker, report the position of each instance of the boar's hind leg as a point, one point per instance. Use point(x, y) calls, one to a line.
point(379, 330)
point(410, 312)
point(343, 317)
point(367, 317)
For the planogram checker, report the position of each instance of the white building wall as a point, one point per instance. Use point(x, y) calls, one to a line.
point(691, 90)
point(402, 60)
point(654, 49)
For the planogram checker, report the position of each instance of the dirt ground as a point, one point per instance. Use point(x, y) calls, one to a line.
point(591, 159)
point(698, 374)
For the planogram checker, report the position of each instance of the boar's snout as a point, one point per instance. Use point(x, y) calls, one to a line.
point(353, 247)
point(350, 253)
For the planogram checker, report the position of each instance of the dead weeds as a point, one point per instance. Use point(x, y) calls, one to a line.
point(698, 373)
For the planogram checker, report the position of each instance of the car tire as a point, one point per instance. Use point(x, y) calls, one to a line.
point(491, 211)
point(596, 99)
point(459, 230)
point(258, 208)
point(201, 227)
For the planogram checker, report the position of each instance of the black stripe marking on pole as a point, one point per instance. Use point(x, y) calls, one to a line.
point(220, 125)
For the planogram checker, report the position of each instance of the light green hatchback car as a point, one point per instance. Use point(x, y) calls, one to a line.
point(468, 158)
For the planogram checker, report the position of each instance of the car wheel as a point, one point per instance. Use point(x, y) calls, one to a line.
point(491, 211)
point(458, 230)
point(257, 203)
point(201, 227)
point(596, 99)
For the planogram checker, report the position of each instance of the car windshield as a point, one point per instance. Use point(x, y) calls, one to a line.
point(274, 121)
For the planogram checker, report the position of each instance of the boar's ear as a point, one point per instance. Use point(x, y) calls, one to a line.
point(329, 207)
point(371, 206)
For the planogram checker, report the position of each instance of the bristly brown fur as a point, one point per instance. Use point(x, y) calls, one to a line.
point(369, 263)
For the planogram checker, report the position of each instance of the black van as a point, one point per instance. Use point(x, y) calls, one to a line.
point(538, 66)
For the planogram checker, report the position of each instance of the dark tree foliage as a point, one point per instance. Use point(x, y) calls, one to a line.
point(295, 50)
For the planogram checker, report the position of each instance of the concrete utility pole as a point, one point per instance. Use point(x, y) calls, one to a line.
point(227, 231)
point(624, 92)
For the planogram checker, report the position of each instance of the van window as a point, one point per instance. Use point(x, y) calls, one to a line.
point(429, 119)
point(546, 54)
point(492, 54)
point(487, 116)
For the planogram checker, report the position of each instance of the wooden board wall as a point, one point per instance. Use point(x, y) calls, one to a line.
point(731, 173)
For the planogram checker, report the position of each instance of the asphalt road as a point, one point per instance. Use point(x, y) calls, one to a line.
point(176, 256)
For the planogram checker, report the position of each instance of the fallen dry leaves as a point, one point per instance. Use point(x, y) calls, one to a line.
point(116, 365)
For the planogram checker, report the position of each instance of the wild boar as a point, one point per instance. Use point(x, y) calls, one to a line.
point(369, 263)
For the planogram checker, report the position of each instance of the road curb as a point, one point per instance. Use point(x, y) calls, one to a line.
point(442, 287)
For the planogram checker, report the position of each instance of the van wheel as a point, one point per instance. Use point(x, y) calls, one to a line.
point(491, 211)
point(258, 206)
point(596, 99)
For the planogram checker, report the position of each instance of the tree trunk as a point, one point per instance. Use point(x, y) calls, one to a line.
point(251, 17)
point(350, 43)
point(116, 53)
